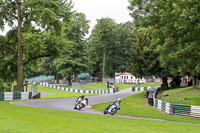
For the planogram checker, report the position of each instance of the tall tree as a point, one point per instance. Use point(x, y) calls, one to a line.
point(125, 36)
point(144, 61)
point(73, 55)
point(31, 14)
point(102, 40)
point(176, 39)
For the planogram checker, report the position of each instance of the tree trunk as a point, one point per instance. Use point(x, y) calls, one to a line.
point(75, 77)
point(193, 82)
point(104, 61)
point(57, 79)
point(69, 79)
point(165, 84)
point(20, 68)
point(196, 82)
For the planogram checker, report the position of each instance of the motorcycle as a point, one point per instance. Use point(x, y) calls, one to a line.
point(111, 109)
point(81, 103)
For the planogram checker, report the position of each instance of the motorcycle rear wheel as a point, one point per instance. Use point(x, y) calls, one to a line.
point(113, 111)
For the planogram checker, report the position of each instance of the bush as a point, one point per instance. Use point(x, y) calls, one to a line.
point(5, 87)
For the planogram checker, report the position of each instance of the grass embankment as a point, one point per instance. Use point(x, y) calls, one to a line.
point(19, 119)
point(59, 93)
point(150, 84)
point(90, 86)
point(100, 86)
point(135, 106)
point(177, 96)
point(124, 86)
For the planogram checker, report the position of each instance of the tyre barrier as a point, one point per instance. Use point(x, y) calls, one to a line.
point(77, 90)
point(15, 95)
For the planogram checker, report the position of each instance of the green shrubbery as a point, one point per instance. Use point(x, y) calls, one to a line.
point(5, 87)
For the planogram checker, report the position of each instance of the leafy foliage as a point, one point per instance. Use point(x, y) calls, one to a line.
point(41, 24)
point(174, 34)
point(109, 46)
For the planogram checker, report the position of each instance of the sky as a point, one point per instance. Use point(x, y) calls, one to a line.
point(97, 9)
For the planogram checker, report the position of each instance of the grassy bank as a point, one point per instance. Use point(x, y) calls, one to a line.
point(188, 95)
point(19, 119)
point(150, 84)
point(59, 93)
point(101, 86)
point(135, 106)
point(124, 86)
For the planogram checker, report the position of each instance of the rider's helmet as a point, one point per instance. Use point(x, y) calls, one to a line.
point(119, 100)
point(82, 96)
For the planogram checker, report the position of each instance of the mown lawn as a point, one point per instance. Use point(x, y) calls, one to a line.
point(177, 96)
point(94, 86)
point(90, 86)
point(150, 84)
point(124, 86)
point(20, 119)
point(135, 106)
point(59, 93)
point(101, 86)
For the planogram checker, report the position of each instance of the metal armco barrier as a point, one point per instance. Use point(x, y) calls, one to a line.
point(15, 95)
point(77, 90)
point(177, 109)
point(142, 88)
point(163, 106)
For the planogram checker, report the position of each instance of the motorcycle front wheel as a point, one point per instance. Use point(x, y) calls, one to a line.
point(81, 106)
point(113, 111)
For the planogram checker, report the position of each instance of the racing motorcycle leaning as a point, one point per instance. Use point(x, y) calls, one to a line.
point(111, 109)
point(81, 103)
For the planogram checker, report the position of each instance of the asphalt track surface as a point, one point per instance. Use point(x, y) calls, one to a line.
point(67, 104)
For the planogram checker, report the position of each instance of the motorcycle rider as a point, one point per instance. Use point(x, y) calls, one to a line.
point(116, 103)
point(81, 98)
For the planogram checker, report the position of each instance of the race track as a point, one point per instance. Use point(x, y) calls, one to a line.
point(68, 103)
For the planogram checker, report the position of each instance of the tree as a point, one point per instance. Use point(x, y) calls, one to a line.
point(125, 36)
point(144, 61)
point(102, 41)
point(32, 14)
point(114, 42)
point(176, 39)
point(73, 56)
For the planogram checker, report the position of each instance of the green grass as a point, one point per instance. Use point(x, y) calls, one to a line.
point(19, 119)
point(94, 86)
point(124, 86)
point(59, 93)
point(66, 86)
point(135, 106)
point(177, 96)
point(102, 86)
point(90, 86)
point(150, 84)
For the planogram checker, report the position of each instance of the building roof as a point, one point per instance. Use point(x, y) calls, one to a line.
point(122, 74)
